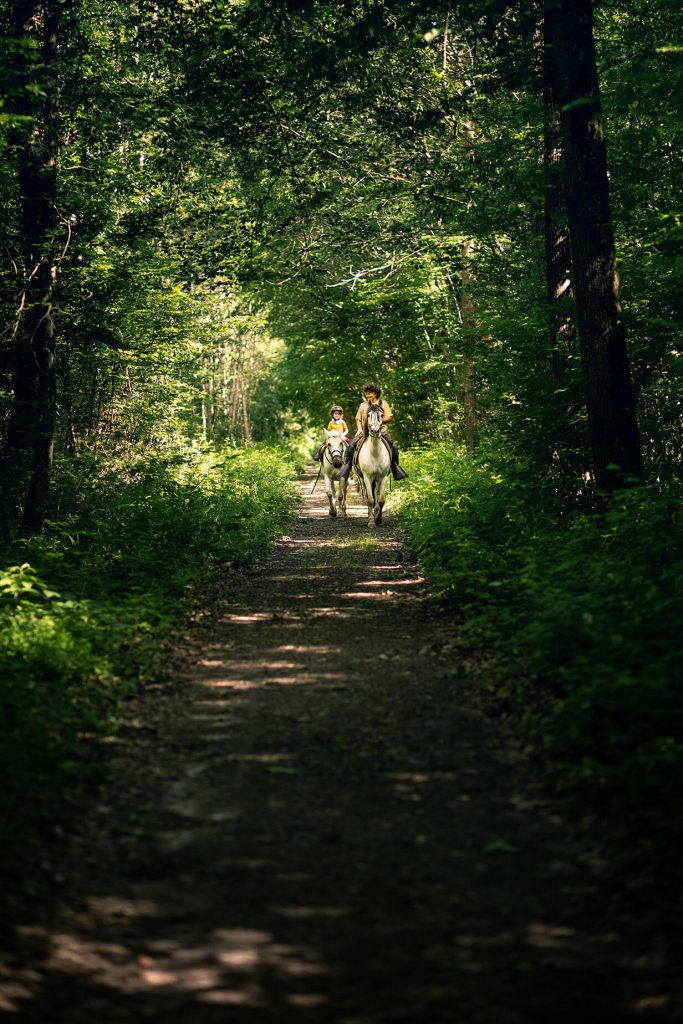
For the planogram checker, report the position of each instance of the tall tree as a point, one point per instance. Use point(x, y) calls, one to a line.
point(556, 231)
point(607, 377)
point(33, 411)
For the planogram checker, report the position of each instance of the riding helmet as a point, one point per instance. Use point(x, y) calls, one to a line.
point(336, 408)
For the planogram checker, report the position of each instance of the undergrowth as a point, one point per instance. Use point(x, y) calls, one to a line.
point(584, 611)
point(84, 606)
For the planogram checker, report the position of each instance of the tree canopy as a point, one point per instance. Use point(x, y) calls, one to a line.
point(255, 206)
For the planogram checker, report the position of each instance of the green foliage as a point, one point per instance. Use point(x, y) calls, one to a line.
point(258, 222)
point(466, 518)
point(85, 620)
point(602, 602)
point(584, 611)
point(57, 687)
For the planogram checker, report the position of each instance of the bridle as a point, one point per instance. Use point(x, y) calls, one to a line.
point(374, 420)
point(336, 454)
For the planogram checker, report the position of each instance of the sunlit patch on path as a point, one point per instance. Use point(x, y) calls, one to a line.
point(315, 819)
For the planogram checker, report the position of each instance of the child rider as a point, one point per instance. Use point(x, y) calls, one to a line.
point(336, 423)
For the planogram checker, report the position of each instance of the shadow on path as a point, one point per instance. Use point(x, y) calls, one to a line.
point(317, 820)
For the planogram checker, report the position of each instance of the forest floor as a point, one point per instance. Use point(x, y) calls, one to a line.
point(320, 817)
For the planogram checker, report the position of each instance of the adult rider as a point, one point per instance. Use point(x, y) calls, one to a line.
point(372, 396)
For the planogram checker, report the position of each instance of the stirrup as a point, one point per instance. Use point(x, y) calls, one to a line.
point(398, 472)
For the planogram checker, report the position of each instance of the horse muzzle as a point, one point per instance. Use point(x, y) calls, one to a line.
point(337, 461)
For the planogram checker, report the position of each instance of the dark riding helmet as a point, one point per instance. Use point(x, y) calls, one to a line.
point(375, 388)
point(336, 408)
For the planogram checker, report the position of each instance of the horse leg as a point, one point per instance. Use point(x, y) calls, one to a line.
point(329, 491)
point(371, 502)
point(379, 503)
point(341, 500)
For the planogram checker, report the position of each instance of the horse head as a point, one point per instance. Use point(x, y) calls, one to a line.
point(335, 448)
point(375, 417)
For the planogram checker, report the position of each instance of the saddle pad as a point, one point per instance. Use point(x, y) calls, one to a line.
point(385, 441)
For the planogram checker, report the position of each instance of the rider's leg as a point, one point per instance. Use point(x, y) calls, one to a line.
point(348, 458)
point(397, 471)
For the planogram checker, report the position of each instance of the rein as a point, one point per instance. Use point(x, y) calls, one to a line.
point(330, 454)
point(326, 453)
point(376, 435)
point(317, 478)
point(378, 419)
point(337, 451)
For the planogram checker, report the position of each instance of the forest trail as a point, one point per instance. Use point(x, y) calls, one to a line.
point(299, 831)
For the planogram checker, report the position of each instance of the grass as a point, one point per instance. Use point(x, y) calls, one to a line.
point(85, 606)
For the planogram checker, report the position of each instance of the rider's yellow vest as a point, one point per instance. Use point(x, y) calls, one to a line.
point(338, 425)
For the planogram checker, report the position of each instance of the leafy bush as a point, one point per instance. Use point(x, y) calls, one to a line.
point(82, 606)
point(585, 611)
point(464, 518)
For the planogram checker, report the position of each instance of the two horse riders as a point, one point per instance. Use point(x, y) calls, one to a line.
point(372, 396)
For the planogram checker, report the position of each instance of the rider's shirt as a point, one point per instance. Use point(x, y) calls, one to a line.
point(362, 415)
point(338, 425)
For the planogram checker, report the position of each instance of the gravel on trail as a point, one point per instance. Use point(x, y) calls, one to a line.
point(319, 817)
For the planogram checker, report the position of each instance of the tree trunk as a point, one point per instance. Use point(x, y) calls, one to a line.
point(469, 401)
point(32, 416)
point(467, 279)
point(607, 378)
point(556, 231)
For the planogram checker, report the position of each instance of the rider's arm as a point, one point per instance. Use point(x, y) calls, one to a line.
point(359, 416)
point(388, 415)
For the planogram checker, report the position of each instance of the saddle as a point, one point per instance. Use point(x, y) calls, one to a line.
point(356, 451)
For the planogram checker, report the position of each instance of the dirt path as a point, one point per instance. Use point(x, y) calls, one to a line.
point(316, 820)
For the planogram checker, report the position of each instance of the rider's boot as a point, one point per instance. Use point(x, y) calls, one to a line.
point(344, 471)
point(397, 471)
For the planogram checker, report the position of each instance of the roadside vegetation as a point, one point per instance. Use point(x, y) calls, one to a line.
point(581, 611)
point(86, 608)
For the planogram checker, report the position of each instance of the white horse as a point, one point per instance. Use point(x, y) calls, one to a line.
point(332, 462)
point(374, 463)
